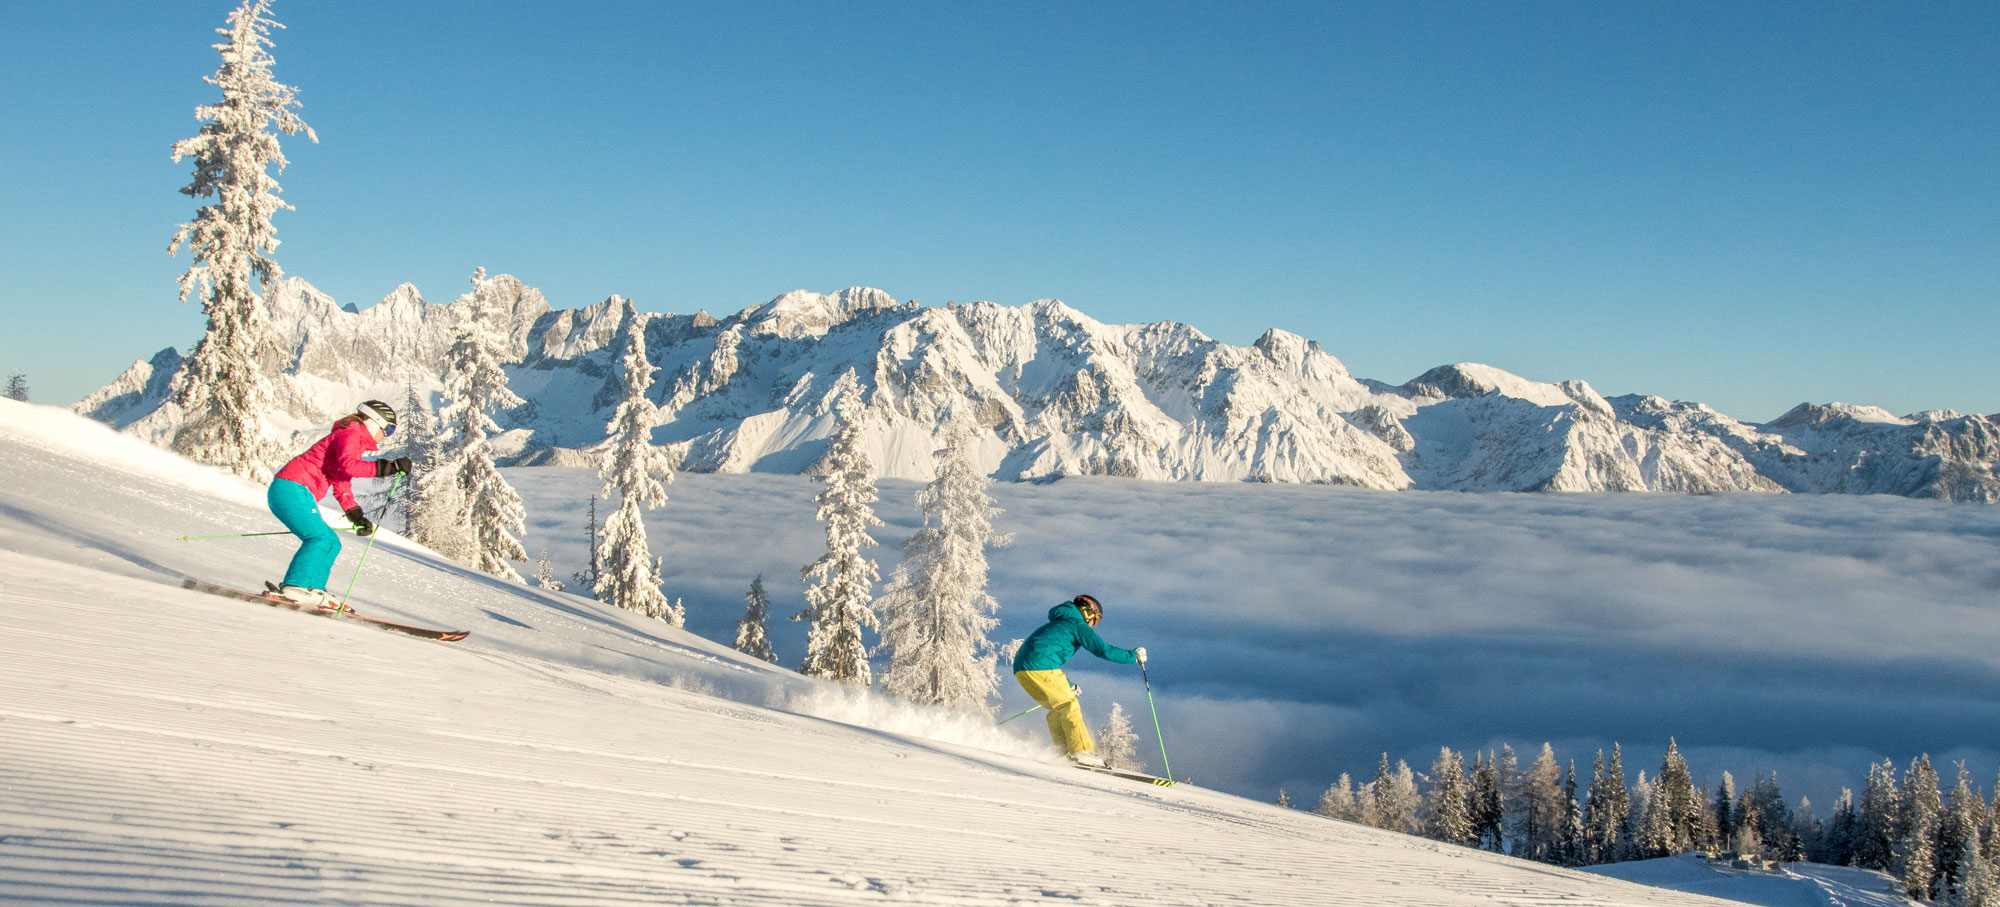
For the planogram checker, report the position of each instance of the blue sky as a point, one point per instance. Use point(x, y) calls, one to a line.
point(1749, 205)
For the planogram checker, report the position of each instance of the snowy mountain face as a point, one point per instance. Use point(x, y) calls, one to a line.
point(1057, 393)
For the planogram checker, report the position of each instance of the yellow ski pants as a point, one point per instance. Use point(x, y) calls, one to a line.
point(1051, 690)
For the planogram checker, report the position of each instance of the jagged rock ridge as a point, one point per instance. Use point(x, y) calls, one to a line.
point(1057, 393)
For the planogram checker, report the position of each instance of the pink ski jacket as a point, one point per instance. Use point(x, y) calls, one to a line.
point(334, 462)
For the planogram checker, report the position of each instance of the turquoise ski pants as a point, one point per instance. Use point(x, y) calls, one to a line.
point(319, 545)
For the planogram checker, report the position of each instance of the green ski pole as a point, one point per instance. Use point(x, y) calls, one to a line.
point(1156, 722)
point(393, 484)
point(1016, 715)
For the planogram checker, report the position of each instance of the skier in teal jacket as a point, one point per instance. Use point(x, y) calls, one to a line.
point(1038, 667)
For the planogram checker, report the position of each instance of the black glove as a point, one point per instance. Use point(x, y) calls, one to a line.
point(359, 518)
point(399, 466)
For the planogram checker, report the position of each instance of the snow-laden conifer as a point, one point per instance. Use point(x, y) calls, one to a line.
point(1607, 815)
point(752, 635)
point(490, 514)
point(1916, 852)
point(1393, 798)
point(1339, 801)
point(639, 472)
point(1119, 744)
point(839, 584)
point(936, 613)
point(224, 388)
point(1541, 808)
point(1958, 829)
point(416, 432)
point(17, 386)
point(1489, 814)
point(1876, 817)
point(1448, 803)
point(1674, 811)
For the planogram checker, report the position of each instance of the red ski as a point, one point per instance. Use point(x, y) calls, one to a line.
point(274, 601)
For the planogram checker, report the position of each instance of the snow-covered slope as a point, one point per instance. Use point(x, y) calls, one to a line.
point(167, 747)
point(1791, 885)
point(1058, 393)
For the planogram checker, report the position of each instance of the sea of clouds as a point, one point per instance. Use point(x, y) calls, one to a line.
point(1298, 632)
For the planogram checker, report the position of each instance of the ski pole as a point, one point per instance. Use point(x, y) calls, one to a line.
point(1016, 715)
point(248, 535)
point(393, 483)
point(1156, 722)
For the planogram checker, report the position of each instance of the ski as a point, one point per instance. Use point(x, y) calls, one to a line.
point(276, 602)
point(1134, 776)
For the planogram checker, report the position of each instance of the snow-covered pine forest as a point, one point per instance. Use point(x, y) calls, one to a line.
point(1940, 841)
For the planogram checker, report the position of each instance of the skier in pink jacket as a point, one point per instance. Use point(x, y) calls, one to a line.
point(334, 462)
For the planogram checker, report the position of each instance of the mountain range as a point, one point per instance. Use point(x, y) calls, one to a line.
point(1056, 393)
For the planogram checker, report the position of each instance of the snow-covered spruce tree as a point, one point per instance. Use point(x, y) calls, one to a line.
point(224, 388)
point(839, 583)
point(17, 386)
point(1284, 800)
point(752, 637)
point(1917, 845)
point(1394, 799)
point(639, 472)
point(1640, 799)
point(1541, 808)
point(416, 430)
point(1448, 804)
point(1836, 844)
point(1119, 744)
point(936, 613)
point(545, 573)
point(1725, 808)
point(1489, 817)
point(1958, 829)
point(1876, 817)
point(490, 513)
point(1571, 849)
point(1675, 810)
point(1339, 802)
point(1978, 884)
point(1607, 818)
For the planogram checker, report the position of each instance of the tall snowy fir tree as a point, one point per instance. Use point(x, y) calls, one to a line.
point(1394, 800)
point(1488, 807)
point(1339, 801)
point(1119, 744)
point(752, 633)
point(17, 386)
point(416, 429)
point(1725, 808)
point(1541, 809)
point(1572, 851)
point(482, 526)
point(1917, 844)
point(1675, 810)
point(1607, 814)
point(1448, 804)
point(639, 472)
point(1958, 829)
point(1876, 818)
point(224, 388)
point(839, 583)
point(936, 614)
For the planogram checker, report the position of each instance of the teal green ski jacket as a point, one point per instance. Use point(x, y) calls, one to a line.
point(1051, 646)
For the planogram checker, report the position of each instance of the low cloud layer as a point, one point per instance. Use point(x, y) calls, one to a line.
point(1299, 632)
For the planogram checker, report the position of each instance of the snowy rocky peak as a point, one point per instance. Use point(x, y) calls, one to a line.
point(1813, 415)
point(1055, 392)
point(805, 314)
